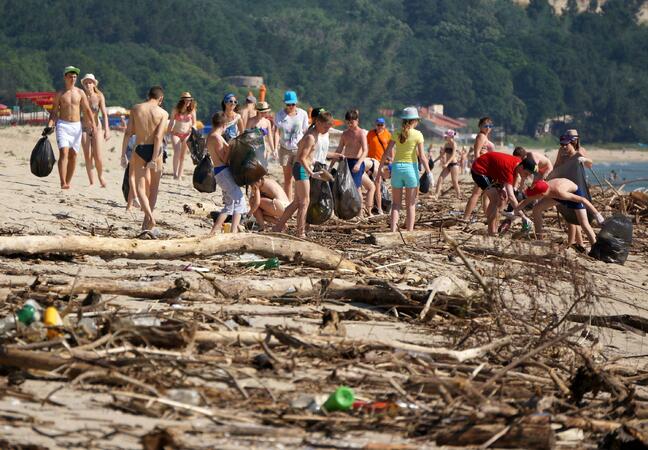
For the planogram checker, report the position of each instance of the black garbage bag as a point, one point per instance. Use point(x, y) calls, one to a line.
point(126, 183)
point(320, 208)
point(203, 176)
point(614, 240)
point(424, 184)
point(347, 200)
point(196, 143)
point(244, 164)
point(385, 198)
point(42, 158)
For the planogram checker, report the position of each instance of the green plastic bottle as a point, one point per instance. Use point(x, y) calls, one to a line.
point(340, 400)
point(271, 263)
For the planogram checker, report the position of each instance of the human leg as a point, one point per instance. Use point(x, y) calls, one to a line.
point(71, 166)
point(302, 191)
point(442, 176)
point(454, 176)
point(154, 177)
point(492, 210)
point(97, 157)
point(410, 204)
point(472, 202)
point(236, 219)
point(177, 146)
point(183, 151)
point(537, 213)
point(86, 144)
point(139, 167)
point(581, 215)
point(369, 185)
point(288, 181)
point(397, 197)
point(62, 166)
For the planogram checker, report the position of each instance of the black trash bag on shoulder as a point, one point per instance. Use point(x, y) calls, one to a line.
point(42, 158)
point(320, 208)
point(244, 164)
point(614, 240)
point(385, 198)
point(347, 200)
point(203, 176)
point(126, 183)
point(424, 183)
point(196, 144)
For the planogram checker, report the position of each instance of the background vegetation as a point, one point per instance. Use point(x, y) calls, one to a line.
point(477, 57)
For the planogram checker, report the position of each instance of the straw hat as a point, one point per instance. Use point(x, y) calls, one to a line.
point(573, 132)
point(263, 107)
point(89, 76)
point(186, 95)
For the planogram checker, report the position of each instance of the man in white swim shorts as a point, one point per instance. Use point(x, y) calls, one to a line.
point(66, 114)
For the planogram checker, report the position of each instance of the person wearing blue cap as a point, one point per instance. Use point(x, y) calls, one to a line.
point(407, 150)
point(66, 116)
point(291, 123)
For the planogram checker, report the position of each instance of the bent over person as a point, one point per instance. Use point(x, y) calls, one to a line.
point(148, 122)
point(66, 115)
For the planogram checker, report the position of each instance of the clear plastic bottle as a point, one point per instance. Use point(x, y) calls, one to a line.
point(186, 396)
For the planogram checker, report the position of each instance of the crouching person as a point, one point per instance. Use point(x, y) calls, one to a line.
point(234, 202)
point(565, 192)
point(268, 201)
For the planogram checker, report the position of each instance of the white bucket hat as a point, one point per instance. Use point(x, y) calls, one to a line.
point(89, 76)
point(409, 113)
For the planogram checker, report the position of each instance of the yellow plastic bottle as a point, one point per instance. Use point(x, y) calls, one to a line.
point(52, 318)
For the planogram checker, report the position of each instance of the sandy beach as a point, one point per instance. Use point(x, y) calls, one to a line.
point(82, 414)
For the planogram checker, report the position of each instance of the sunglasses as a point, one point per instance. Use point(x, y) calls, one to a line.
point(380, 124)
point(488, 126)
point(232, 102)
point(290, 104)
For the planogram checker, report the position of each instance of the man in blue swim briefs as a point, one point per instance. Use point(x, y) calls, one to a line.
point(565, 192)
point(353, 147)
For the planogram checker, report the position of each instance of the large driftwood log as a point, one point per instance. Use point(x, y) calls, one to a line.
point(263, 244)
point(538, 436)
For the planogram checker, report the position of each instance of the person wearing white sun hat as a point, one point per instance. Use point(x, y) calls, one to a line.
point(91, 142)
point(405, 150)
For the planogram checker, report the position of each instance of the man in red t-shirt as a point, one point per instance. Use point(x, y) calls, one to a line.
point(495, 174)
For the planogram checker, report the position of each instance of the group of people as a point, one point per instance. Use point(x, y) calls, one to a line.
point(299, 141)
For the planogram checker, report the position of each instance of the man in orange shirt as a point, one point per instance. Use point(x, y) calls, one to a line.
point(377, 140)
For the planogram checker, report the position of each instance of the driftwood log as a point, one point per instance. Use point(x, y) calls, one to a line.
point(268, 245)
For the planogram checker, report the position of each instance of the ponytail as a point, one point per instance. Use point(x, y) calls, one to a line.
point(405, 128)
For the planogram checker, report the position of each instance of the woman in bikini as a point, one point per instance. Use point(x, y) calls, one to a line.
point(89, 141)
point(482, 145)
point(449, 159)
point(183, 118)
point(234, 124)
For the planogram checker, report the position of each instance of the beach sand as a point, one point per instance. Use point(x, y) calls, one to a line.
point(31, 205)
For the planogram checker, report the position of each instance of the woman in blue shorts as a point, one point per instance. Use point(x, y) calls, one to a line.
point(407, 150)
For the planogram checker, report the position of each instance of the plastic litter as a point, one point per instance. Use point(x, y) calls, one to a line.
point(340, 400)
point(28, 314)
point(186, 396)
point(271, 263)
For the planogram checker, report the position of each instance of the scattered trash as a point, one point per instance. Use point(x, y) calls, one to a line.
point(271, 263)
point(340, 400)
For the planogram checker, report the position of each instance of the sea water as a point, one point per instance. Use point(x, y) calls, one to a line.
point(625, 171)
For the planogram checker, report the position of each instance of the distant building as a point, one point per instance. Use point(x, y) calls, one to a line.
point(245, 81)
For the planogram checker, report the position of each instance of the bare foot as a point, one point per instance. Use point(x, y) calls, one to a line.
point(102, 182)
point(65, 186)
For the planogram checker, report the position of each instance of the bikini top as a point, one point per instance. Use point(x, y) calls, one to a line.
point(448, 149)
point(182, 117)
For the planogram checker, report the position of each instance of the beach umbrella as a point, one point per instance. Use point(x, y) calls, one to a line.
point(3, 106)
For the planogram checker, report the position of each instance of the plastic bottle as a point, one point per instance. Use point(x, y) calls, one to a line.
point(29, 313)
point(52, 318)
point(186, 396)
point(340, 400)
point(271, 263)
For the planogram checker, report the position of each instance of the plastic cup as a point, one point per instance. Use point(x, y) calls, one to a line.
point(227, 227)
point(340, 400)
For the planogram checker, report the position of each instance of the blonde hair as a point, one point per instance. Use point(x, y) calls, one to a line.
point(405, 128)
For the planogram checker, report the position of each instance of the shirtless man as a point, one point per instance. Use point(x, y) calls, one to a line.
point(268, 201)
point(565, 192)
point(353, 147)
point(249, 111)
point(540, 165)
point(302, 172)
point(148, 121)
point(66, 114)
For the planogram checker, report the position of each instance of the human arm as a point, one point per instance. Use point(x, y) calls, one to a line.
point(127, 135)
point(193, 118)
point(255, 199)
point(104, 114)
point(53, 115)
point(171, 121)
point(88, 115)
point(586, 162)
point(240, 125)
point(363, 154)
point(479, 143)
point(305, 147)
point(387, 155)
point(423, 157)
point(160, 131)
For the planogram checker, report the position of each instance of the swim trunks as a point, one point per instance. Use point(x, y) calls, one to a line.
point(357, 176)
point(219, 169)
point(145, 151)
point(572, 205)
point(482, 181)
point(298, 172)
point(68, 134)
point(404, 175)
